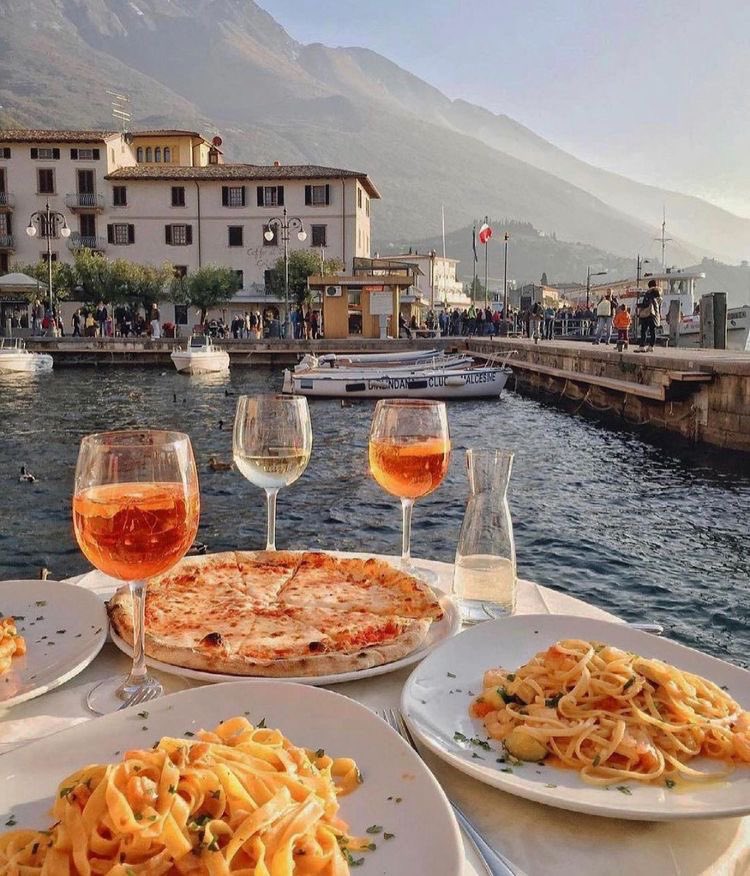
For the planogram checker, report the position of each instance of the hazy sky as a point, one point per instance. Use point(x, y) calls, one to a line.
point(656, 90)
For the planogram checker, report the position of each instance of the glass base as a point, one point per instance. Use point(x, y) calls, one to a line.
point(475, 611)
point(421, 572)
point(114, 693)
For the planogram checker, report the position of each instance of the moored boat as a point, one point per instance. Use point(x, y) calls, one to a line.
point(438, 383)
point(15, 358)
point(200, 357)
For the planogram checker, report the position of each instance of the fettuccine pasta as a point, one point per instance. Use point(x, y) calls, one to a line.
point(239, 799)
point(12, 644)
point(612, 715)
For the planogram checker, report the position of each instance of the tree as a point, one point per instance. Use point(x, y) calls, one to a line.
point(209, 286)
point(302, 264)
point(475, 289)
point(140, 285)
point(544, 279)
point(63, 278)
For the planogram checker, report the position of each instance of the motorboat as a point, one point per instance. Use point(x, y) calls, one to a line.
point(346, 364)
point(15, 358)
point(430, 381)
point(738, 329)
point(200, 357)
point(345, 360)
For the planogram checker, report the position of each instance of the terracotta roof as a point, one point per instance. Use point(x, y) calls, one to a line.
point(20, 135)
point(167, 132)
point(241, 172)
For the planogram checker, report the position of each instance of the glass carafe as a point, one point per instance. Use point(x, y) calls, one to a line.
point(484, 580)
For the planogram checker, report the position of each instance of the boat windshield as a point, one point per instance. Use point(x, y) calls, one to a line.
point(197, 342)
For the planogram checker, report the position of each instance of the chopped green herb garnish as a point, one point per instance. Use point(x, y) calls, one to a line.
point(476, 756)
point(35, 848)
point(374, 828)
point(506, 770)
point(670, 783)
point(215, 794)
point(213, 846)
point(596, 761)
point(261, 725)
point(320, 752)
point(41, 603)
point(511, 676)
point(360, 779)
point(188, 733)
point(387, 836)
point(399, 799)
point(629, 683)
point(550, 785)
point(459, 737)
point(482, 743)
point(552, 701)
point(65, 791)
point(623, 789)
point(60, 632)
point(450, 674)
point(138, 816)
point(143, 715)
point(11, 821)
point(509, 698)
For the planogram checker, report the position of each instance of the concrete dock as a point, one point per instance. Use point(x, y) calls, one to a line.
point(701, 395)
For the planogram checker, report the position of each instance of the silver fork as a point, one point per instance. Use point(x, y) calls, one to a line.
point(494, 863)
point(142, 695)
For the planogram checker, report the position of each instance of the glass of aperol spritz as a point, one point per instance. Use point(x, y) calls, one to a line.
point(409, 453)
point(136, 506)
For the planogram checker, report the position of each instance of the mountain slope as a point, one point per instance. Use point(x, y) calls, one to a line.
point(226, 65)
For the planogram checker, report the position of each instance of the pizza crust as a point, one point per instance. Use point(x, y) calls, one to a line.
point(215, 613)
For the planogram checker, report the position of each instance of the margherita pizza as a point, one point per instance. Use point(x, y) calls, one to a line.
point(280, 613)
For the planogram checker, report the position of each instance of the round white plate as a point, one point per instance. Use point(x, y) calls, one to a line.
point(426, 837)
point(437, 695)
point(64, 627)
point(443, 629)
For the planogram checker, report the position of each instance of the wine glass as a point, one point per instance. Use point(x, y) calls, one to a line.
point(135, 513)
point(409, 456)
point(272, 444)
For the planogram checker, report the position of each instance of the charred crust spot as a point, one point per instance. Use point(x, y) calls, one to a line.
point(316, 646)
point(212, 640)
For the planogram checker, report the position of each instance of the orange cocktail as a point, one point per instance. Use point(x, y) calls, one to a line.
point(409, 468)
point(135, 530)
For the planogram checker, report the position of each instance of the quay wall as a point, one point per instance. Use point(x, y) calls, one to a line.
point(701, 395)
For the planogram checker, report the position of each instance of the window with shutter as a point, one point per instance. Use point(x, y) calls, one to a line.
point(34, 152)
point(271, 196)
point(268, 279)
point(5, 152)
point(280, 195)
point(178, 196)
point(56, 153)
point(233, 196)
point(225, 196)
point(260, 196)
point(74, 155)
point(46, 181)
point(168, 235)
point(120, 234)
point(319, 195)
point(95, 155)
point(318, 236)
point(308, 196)
point(235, 235)
point(110, 233)
point(188, 234)
point(119, 196)
point(131, 233)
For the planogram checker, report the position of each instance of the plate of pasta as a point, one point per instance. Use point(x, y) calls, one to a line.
point(263, 778)
point(588, 715)
point(49, 632)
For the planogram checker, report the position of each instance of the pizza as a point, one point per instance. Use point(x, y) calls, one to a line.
point(280, 613)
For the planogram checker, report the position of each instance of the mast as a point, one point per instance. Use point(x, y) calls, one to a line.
point(663, 239)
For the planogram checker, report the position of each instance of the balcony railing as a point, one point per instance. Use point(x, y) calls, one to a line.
point(7, 199)
point(7, 242)
point(85, 241)
point(84, 201)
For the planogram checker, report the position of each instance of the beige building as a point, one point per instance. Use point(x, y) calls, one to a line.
point(438, 284)
point(168, 195)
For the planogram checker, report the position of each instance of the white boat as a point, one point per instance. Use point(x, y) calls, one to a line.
point(200, 357)
point(338, 360)
point(431, 382)
point(738, 329)
point(343, 365)
point(15, 358)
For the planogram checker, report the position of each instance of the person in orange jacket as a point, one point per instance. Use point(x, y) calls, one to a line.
point(622, 322)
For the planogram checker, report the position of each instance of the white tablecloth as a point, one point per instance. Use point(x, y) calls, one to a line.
point(538, 840)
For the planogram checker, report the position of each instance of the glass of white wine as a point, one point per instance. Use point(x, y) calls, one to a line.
point(272, 443)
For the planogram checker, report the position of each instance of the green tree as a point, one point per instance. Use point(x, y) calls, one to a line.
point(63, 278)
point(95, 278)
point(475, 289)
point(303, 263)
point(140, 285)
point(209, 286)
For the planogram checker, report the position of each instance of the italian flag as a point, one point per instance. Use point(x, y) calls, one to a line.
point(485, 233)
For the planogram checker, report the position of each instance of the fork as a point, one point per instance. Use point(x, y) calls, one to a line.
point(141, 695)
point(494, 863)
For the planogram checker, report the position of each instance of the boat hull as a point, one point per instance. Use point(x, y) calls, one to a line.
point(474, 383)
point(25, 363)
point(187, 362)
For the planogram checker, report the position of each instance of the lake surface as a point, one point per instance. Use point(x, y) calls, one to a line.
point(649, 532)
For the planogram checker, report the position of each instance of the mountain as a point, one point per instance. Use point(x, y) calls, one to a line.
point(226, 66)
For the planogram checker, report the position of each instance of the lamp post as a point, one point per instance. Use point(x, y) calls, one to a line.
point(285, 225)
point(505, 283)
point(639, 263)
point(47, 221)
point(589, 275)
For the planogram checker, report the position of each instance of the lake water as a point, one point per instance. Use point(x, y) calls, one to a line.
point(648, 532)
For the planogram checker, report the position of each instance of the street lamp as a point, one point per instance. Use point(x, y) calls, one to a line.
point(505, 285)
point(639, 263)
point(47, 221)
point(284, 226)
point(589, 275)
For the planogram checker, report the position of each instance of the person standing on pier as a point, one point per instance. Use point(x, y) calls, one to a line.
point(549, 323)
point(604, 314)
point(649, 315)
point(622, 322)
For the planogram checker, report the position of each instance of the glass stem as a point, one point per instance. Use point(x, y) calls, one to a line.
point(138, 672)
point(271, 503)
point(406, 508)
